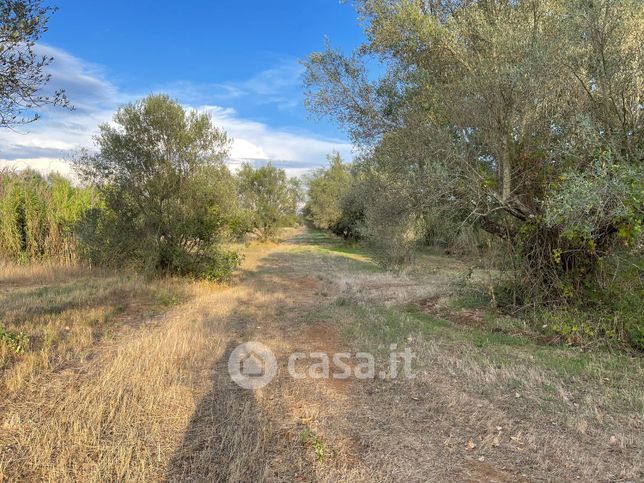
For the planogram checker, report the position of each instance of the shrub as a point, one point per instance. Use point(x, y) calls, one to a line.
point(168, 196)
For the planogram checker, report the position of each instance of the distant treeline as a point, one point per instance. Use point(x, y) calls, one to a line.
point(156, 195)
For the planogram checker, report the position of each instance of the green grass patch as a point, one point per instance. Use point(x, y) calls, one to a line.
point(471, 299)
point(312, 440)
point(357, 261)
point(326, 243)
point(17, 342)
point(373, 328)
point(483, 338)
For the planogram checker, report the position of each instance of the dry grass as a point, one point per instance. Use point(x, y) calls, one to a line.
point(154, 401)
point(52, 315)
point(119, 412)
point(115, 418)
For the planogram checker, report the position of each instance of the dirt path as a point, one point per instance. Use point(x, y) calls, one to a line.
point(157, 403)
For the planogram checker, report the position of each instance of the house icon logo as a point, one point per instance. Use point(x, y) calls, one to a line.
point(252, 365)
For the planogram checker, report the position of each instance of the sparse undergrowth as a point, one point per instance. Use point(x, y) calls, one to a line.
point(313, 441)
point(378, 308)
point(605, 318)
point(592, 392)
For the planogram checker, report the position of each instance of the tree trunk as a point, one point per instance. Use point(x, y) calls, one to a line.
point(506, 170)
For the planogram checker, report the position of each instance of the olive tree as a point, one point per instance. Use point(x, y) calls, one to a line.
point(490, 109)
point(327, 188)
point(168, 194)
point(270, 198)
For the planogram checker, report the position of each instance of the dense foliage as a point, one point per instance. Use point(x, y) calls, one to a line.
point(523, 119)
point(168, 196)
point(38, 216)
point(500, 114)
point(327, 189)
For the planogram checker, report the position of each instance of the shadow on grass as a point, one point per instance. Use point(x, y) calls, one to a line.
point(226, 439)
point(231, 436)
point(26, 305)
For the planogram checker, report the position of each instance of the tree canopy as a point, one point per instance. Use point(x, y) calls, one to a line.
point(270, 197)
point(502, 114)
point(168, 194)
point(326, 191)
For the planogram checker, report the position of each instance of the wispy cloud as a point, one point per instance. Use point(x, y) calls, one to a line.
point(46, 144)
point(279, 85)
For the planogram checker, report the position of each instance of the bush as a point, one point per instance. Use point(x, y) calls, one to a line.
point(169, 199)
point(607, 310)
point(221, 265)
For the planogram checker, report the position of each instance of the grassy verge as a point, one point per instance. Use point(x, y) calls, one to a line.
point(459, 332)
point(494, 359)
point(52, 315)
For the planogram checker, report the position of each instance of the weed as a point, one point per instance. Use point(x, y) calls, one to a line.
point(309, 438)
point(16, 341)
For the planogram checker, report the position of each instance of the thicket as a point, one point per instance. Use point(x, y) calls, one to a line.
point(522, 119)
point(38, 216)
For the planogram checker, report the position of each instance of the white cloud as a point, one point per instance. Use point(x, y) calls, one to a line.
point(45, 145)
point(256, 140)
point(44, 165)
point(85, 81)
point(61, 131)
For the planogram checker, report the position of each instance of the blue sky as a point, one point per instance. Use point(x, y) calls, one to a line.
point(238, 60)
